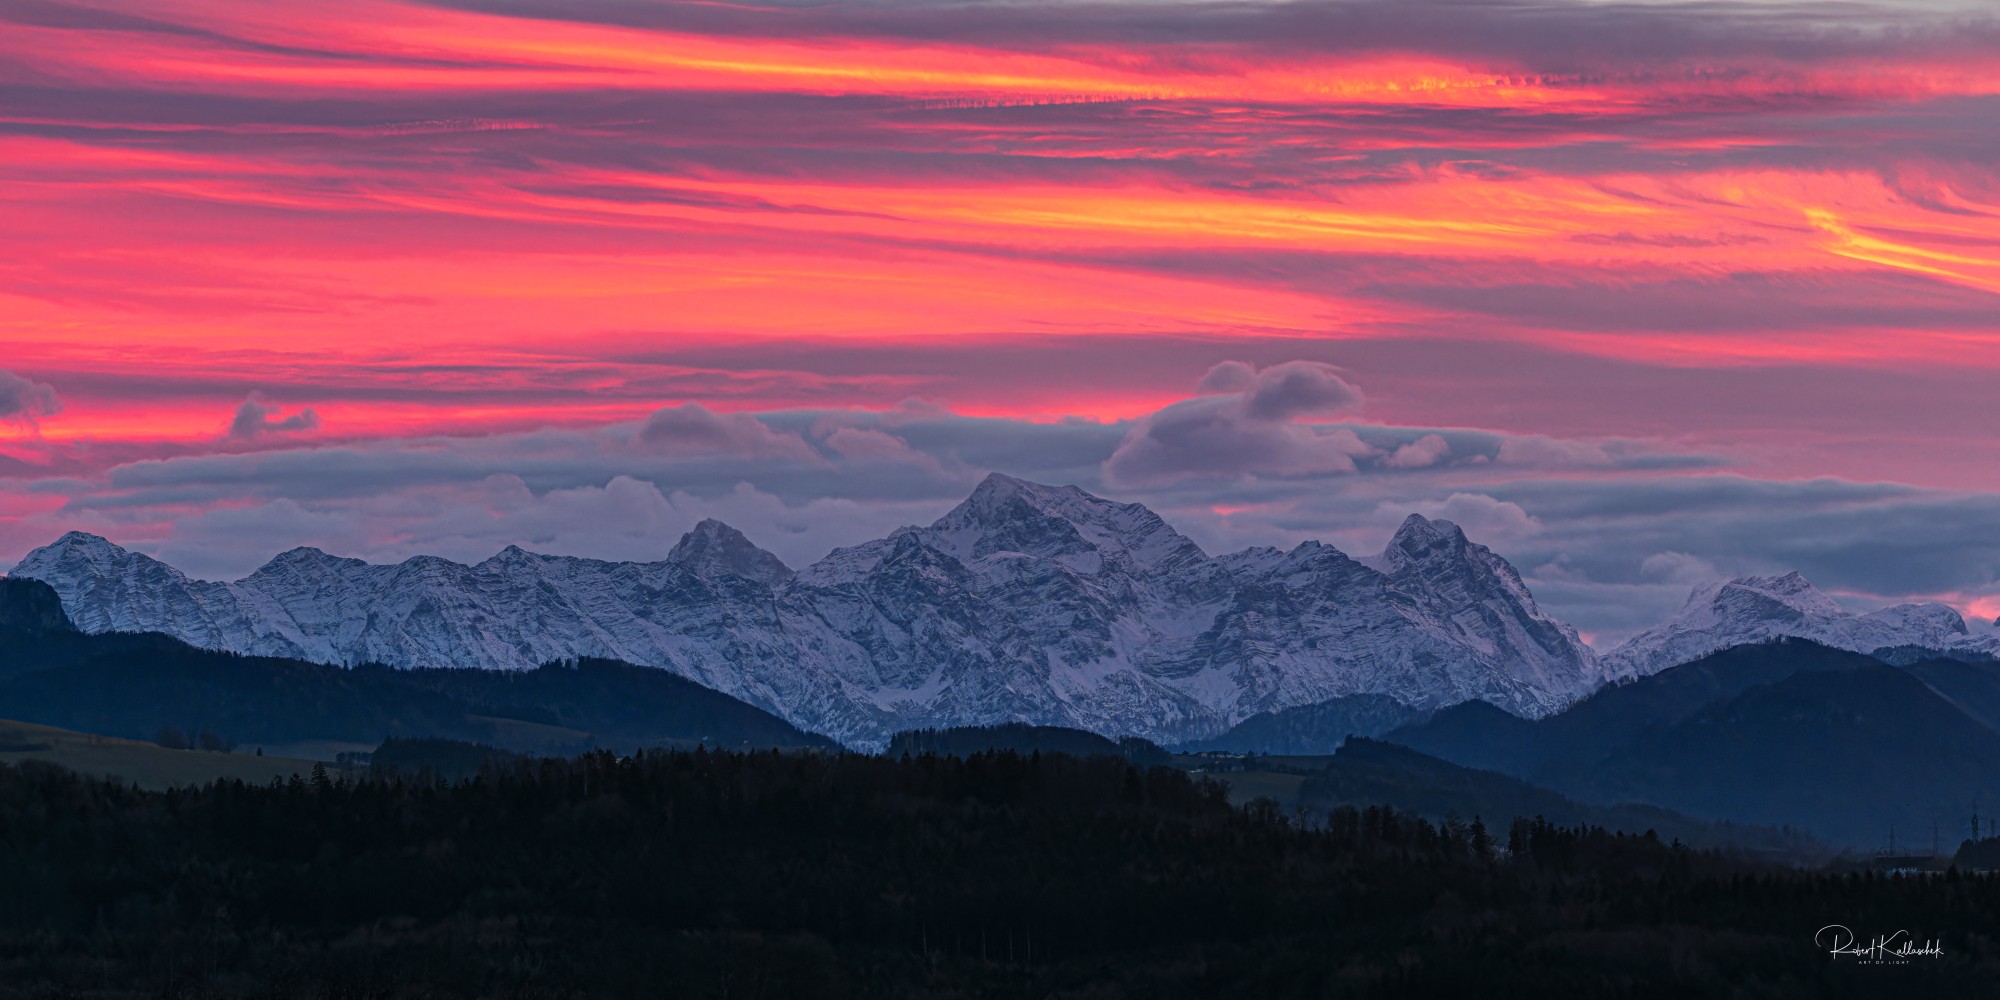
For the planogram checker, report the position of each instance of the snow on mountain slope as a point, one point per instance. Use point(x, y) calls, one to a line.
point(1755, 608)
point(1026, 602)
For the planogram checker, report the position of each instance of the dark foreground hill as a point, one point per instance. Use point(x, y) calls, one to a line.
point(719, 875)
point(1371, 772)
point(1360, 773)
point(134, 685)
point(1785, 733)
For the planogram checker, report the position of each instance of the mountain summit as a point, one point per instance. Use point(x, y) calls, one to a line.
point(1005, 514)
point(1748, 609)
point(714, 549)
point(1026, 602)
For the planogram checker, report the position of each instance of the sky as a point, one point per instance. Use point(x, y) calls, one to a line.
point(1640, 294)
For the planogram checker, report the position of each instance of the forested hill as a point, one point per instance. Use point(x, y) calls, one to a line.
point(134, 685)
point(1022, 738)
point(1786, 732)
point(711, 875)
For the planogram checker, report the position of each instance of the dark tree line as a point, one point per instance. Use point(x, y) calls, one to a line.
point(706, 874)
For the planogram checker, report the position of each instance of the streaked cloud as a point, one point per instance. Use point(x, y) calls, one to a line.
point(1637, 290)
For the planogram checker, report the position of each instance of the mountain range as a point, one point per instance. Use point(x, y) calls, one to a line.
point(1786, 732)
point(1025, 603)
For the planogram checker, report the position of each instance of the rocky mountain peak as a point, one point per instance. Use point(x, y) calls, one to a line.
point(79, 554)
point(1438, 553)
point(514, 555)
point(1792, 590)
point(82, 546)
point(1422, 540)
point(1005, 514)
point(84, 541)
point(715, 549)
point(1756, 608)
point(304, 559)
point(1000, 501)
point(1931, 617)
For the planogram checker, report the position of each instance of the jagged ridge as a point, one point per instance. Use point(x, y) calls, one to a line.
point(1027, 603)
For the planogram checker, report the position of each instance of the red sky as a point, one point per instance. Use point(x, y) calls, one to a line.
point(1760, 236)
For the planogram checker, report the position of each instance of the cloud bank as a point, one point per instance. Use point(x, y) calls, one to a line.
point(1244, 425)
point(1612, 541)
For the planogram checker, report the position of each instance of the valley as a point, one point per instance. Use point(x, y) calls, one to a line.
point(141, 763)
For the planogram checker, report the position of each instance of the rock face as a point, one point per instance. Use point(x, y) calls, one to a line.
point(1025, 603)
point(31, 607)
point(1757, 608)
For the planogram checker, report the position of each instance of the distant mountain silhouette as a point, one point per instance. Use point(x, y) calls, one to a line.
point(132, 685)
point(1475, 734)
point(1782, 732)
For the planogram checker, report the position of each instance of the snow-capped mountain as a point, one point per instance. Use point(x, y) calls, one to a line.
point(1755, 608)
point(1026, 602)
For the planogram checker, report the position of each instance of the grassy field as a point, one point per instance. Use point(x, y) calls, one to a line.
point(1274, 777)
point(144, 764)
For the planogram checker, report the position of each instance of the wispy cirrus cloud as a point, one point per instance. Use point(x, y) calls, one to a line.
point(574, 272)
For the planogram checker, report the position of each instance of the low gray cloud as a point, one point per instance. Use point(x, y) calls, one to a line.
point(1611, 548)
point(1678, 567)
point(26, 399)
point(254, 419)
point(1244, 426)
point(1424, 451)
point(694, 429)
